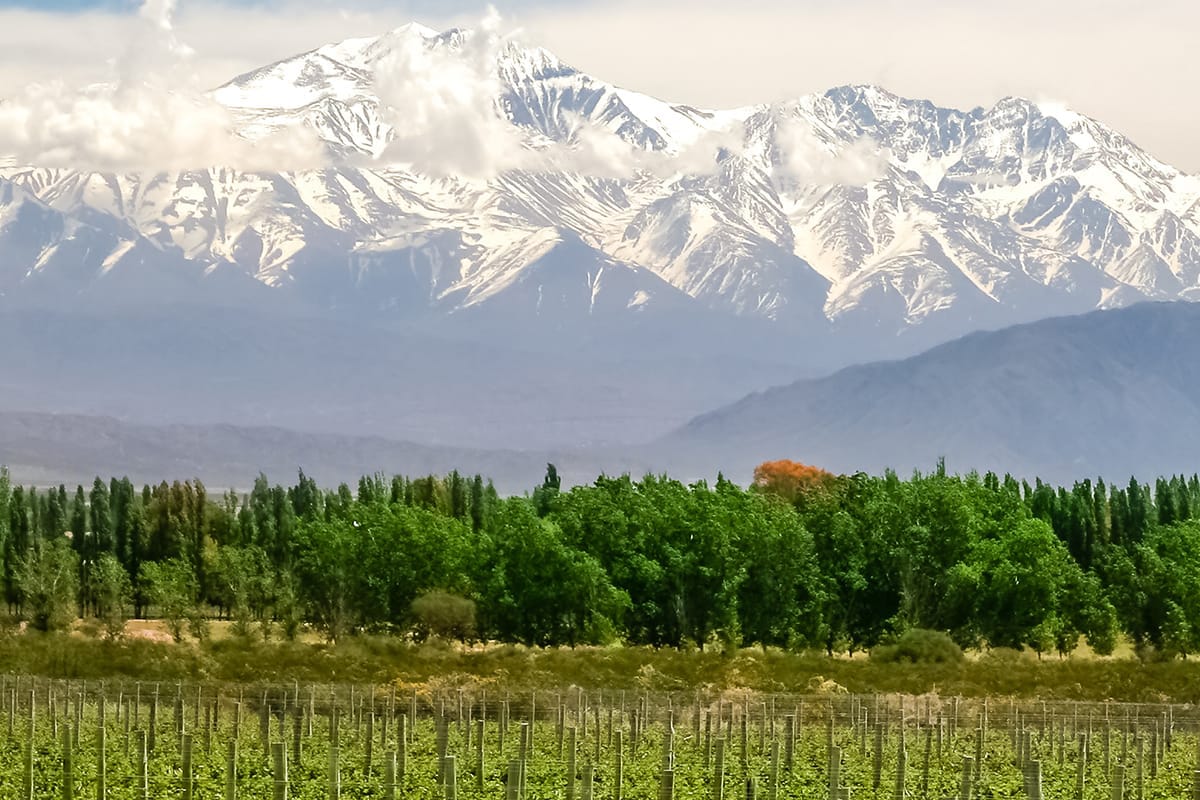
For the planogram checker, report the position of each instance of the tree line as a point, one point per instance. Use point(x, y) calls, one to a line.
point(800, 558)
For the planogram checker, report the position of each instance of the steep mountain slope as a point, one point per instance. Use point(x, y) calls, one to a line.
point(1108, 393)
point(890, 221)
point(623, 262)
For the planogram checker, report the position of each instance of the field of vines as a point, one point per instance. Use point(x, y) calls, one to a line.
point(144, 741)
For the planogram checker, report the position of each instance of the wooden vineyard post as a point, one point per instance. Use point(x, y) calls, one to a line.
point(412, 717)
point(186, 746)
point(1118, 782)
point(1196, 784)
point(1081, 767)
point(835, 773)
point(618, 765)
point(231, 755)
point(925, 762)
point(335, 774)
point(968, 778)
point(389, 775)
point(877, 758)
point(297, 736)
point(143, 762)
point(513, 781)
point(1154, 742)
point(101, 765)
point(589, 775)
point(719, 771)
point(744, 754)
point(27, 784)
point(1032, 771)
point(561, 729)
point(789, 753)
point(751, 789)
point(571, 766)
point(479, 762)
point(500, 729)
point(666, 785)
point(977, 762)
point(773, 775)
point(264, 727)
point(668, 751)
point(402, 745)
point(279, 770)
point(829, 736)
point(450, 772)
point(1141, 752)
point(370, 744)
point(901, 768)
point(1107, 749)
point(707, 740)
point(153, 724)
point(78, 721)
point(68, 766)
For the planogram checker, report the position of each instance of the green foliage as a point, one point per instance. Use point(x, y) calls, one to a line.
point(172, 587)
point(113, 593)
point(859, 562)
point(445, 615)
point(536, 589)
point(48, 580)
point(919, 646)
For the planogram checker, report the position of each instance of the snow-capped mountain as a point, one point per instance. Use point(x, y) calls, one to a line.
point(473, 177)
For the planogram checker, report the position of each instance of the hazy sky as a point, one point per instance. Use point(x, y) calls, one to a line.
point(1129, 64)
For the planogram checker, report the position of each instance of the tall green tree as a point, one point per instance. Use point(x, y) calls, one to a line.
point(49, 584)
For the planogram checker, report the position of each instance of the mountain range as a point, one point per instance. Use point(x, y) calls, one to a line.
point(1111, 393)
point(541, 259)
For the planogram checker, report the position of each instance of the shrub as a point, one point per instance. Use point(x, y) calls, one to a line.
point(919, 646)
point(444, 615)
point(49, 581)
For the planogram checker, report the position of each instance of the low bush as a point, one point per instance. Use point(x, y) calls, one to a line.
point(443, 615)
point(919, 646)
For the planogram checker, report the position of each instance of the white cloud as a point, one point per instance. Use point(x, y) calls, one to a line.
point(1129, 66)
point(146, 113)
point(441, 102)
point(805, 159)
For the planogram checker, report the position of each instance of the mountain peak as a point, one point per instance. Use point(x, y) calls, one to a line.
point(451, 153)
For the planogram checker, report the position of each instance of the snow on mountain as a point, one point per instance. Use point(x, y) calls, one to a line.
point(855, 210)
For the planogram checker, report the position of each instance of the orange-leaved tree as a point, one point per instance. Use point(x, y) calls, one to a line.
point(790, 480)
